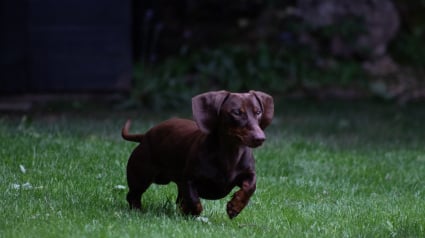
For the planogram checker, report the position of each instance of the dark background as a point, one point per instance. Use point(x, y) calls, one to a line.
point(168, 50)
point(56, 46)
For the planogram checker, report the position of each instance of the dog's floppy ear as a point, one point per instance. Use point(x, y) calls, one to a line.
point(267, 105)
point(206, 108)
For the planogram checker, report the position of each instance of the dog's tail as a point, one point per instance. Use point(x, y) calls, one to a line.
point(130, 137)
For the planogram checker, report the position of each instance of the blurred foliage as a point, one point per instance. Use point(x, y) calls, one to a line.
point(409, 47)
point(281, 64)
point(178, 78)
point(173, 82)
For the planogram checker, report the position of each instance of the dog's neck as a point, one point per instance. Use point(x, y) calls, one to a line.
point(229, 150)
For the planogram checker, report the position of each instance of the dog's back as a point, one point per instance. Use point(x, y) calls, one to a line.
point(166, 147)
point(170, 142)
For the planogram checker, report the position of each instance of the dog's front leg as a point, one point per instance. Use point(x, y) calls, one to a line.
point(241, 198)
point(188, 199)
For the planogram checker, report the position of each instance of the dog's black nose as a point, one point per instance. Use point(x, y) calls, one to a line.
point(257, 141)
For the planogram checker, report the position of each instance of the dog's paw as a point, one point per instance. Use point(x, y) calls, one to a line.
point(232, 211)
point(235, 206)
point(192, 209)
point(135, 205)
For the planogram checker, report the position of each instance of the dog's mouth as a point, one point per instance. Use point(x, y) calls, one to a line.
point(255, 143)
point(249, 139)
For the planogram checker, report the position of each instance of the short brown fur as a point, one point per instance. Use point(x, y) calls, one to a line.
point(207, 157)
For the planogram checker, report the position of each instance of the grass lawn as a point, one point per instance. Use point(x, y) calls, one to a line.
point(327, 170)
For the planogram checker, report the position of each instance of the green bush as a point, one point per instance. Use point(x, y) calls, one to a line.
point(177, 79)
point(174, 81)
point(409, 48)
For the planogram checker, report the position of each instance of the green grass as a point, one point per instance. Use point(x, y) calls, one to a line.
point(327, 170)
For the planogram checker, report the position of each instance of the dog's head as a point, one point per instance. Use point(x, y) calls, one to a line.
point(243, 116)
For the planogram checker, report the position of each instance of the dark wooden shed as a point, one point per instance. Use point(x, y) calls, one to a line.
point(65, 46)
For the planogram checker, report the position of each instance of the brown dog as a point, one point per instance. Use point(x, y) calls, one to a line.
point(207, 157)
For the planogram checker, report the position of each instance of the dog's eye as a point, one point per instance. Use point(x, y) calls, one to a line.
point(237, 112)
point(258, 112)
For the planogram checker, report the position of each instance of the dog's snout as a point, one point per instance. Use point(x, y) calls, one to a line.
point(258, 138)
point(258, 141)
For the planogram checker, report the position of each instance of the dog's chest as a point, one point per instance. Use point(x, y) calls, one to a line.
point(220, 169)
point(214, 182)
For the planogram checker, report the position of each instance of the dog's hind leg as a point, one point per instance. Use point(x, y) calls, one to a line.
point(136, 189)
point(139, 178)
